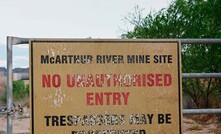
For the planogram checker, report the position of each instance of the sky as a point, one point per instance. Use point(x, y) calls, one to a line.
point(65, 19)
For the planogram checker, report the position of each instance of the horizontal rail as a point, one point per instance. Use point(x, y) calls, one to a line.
point(18, 40)
point(201, 75)
point(201, 111)
point(184, 75)
point(200, 41)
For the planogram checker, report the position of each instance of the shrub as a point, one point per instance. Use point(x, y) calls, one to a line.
point(20, 91)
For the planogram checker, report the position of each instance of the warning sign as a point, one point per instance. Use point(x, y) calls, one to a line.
point(105, 86)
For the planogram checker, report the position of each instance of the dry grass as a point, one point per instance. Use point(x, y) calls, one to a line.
point(218, 130)
point(195, 127)
point(2, 83)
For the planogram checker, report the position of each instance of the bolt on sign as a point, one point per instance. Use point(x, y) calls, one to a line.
point(105, 86)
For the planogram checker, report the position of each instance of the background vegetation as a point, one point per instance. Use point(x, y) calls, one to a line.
point(20, 91)
point(188, 19)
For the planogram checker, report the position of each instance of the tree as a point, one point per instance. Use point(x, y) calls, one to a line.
point(19, 89)
point(188, 19)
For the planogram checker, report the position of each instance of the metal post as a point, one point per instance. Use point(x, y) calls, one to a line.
point(9, 84)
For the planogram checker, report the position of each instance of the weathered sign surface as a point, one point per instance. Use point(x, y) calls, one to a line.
point(105, 86)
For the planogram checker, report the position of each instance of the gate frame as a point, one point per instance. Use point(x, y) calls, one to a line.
point(17, 41)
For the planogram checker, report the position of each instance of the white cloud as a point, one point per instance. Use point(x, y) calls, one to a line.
point(2, 63)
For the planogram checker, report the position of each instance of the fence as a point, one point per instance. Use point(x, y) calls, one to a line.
point(16, 41)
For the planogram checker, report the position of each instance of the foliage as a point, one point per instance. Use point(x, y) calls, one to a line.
point(20, 90)
point(188, 19)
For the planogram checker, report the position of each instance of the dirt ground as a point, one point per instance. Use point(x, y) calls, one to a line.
point(20, 126)
point(202, 124)
point(197, 124)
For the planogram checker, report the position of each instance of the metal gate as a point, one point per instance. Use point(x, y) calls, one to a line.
point(10, 109)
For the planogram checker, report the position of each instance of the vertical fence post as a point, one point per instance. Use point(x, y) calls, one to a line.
point(9, 84)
